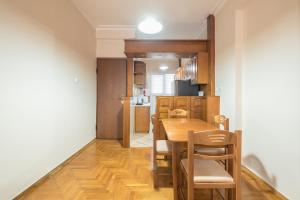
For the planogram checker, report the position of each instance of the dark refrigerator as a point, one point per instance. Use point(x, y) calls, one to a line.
point(185, 88)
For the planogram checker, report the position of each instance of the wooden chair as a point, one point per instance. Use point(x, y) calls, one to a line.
point(160, 148)
point(203, 171)
point(178, 113)
point(221, 120)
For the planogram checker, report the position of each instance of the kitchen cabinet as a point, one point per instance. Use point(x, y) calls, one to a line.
point(204, 108)
point(198, 108)
point(194, 69)
point(142, 119)
point(163, 104)
point(200, 69)
point(182, 102)
point(140, 74)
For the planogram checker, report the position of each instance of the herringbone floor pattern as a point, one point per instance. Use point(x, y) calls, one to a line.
point(106, 171)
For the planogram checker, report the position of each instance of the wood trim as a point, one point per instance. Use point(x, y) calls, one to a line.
point(262, 184)
point(211, 54)
point(97, 87)
point(130, 65)
point(60, 166)
point(142, 47)
point(212, 108)
point(126, 122)
point(102, 58)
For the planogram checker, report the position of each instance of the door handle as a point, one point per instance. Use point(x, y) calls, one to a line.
point(122, 98)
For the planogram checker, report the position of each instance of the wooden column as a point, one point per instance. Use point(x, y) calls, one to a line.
point(211, 54)
point(126, 122)
point(130, 65)
point(126, 104)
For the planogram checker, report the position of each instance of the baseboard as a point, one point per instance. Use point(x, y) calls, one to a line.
point(262, 183)
point(44, 178)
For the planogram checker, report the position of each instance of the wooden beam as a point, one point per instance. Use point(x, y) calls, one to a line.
point(211, 54)
point(144, 47)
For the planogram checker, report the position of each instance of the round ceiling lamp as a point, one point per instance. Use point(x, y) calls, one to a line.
point(150, 26)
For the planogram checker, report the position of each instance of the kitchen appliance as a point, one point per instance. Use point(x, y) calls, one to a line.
point(185, 88)
point(140, 100)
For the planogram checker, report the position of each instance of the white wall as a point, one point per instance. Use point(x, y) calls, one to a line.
point(110, 40)
point(257, 74)
point(45, 115)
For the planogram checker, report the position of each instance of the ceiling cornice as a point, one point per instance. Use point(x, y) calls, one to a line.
point(85, 16)
point(215, 11)
point(115, 32)
point(116, 27)
point(219, 7)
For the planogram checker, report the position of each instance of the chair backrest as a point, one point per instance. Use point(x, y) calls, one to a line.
point(178, 113)
point(154, 121)
point(215, 139)
point(222, 120)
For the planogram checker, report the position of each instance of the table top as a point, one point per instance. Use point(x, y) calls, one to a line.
point(177, 129)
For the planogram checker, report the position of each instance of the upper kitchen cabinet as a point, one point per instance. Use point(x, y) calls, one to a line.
point(140, 74)
point(194, 69)
point(200, 69)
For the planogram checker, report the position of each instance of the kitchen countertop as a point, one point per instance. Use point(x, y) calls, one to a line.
point(144, 105)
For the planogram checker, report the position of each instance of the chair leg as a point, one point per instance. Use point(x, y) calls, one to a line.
point(212, 194)
point(236, 194)
point(226, 194)
point(155, 179)
point(155, 184)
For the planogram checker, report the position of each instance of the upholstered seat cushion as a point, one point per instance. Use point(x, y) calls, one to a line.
point(163, 146)
point(210, 151)
point(207, 171)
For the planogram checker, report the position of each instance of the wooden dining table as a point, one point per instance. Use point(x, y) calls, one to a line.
point(177, 133)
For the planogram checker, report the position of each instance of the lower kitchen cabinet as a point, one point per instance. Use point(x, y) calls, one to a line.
point(142, 119)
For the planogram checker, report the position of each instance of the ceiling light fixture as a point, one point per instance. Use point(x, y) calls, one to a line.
point(163, 67)
point(150, 26)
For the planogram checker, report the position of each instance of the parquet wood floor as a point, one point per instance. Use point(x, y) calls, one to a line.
point(106, 171)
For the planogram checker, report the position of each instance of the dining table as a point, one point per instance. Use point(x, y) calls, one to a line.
point(177, 133)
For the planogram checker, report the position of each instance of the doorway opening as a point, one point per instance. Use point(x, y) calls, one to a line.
point(152, 77)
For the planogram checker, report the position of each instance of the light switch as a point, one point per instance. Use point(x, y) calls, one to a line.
point(219, 91)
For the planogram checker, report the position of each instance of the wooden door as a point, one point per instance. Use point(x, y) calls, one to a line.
point(111, 86)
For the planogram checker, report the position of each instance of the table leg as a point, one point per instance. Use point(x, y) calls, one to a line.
point(175, 169)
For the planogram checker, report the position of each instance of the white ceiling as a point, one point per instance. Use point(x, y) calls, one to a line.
point(181, 18)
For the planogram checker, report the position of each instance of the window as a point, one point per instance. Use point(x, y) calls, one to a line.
point(169, 83)
point(162, 84)
point(157, 84)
